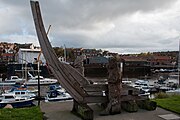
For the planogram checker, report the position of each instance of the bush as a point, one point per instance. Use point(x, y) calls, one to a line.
point(161, 95)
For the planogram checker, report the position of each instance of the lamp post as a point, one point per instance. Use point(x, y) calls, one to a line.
point(38, 85)
point(179, 64)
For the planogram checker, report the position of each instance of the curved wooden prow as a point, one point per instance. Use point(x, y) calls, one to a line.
point(78, 86)
point(67, 76)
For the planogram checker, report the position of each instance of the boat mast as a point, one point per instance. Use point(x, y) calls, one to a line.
point(22, 65)
point(25, 68)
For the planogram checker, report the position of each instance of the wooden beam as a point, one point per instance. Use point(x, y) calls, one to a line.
point(95, 87)
point(131, 98)
point(95, 99)
point(95, 93)
point(59, 70)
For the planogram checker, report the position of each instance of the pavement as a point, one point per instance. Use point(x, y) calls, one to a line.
point(62, 111)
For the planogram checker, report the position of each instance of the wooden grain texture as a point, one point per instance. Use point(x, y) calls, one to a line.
point(96, 87)
point(72, 80)
point(62, 73)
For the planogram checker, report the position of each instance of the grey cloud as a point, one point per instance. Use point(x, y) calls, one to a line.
point(82, 14)
point(74, 23)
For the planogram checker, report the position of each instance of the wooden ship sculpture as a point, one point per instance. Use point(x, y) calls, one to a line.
point(117, 96)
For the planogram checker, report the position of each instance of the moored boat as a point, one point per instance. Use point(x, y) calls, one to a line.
point(15, 100)
point(14, 79)
point(22, 91)
point(57, 93)
point(174, 92)
point(58, 96)
point(42, 80)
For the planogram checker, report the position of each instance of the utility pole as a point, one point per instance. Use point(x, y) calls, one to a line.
point(179, 64)
point(39, 97)
point(38, 61)
point(64, 53)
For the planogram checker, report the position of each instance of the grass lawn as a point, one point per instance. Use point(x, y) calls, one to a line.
point(171, 103)
point(30, 113)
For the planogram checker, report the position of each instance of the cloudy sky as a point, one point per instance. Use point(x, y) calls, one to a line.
point(123, 26)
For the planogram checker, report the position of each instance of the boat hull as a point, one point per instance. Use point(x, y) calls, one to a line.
point(18, 104)
point(55, 97)
point(7, 83)
point(58, 99)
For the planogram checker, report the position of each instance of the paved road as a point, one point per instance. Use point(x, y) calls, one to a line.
point(61, 111)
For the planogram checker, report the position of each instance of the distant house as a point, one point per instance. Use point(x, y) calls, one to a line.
point(77, 51)
point(160, 61)
point(134, 66)
point(29, 56)
point(8, 57)
point(25, 46)
point(96, 66)
point(135, 61)
point(91, 52)
point(7, 52)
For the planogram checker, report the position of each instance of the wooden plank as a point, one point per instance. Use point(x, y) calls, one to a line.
point(78, 65)
point(95, 93)
point(72, 81)
point(52, 58)
point(131, 98)
point(38, 19)
point(76, 75)
point(95, 99)
point(48, 52)
point(95, 87)
point(72, 87)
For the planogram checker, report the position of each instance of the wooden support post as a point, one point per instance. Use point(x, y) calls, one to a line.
point(130, 106)
point(82, 110)
point(114, 87)
point(75, 106)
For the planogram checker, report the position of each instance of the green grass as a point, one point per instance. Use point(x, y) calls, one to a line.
point(171, 103)
point(30, 113)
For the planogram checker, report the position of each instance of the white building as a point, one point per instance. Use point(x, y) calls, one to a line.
point(29, 56)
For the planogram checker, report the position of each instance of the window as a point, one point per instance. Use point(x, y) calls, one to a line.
point(9, 97)
point(22, 92)
point(17, 93)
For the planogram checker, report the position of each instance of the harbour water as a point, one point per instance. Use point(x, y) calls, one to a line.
point(103, 80)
